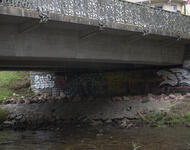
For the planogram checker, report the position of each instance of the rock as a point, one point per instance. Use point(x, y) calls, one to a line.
point(6, 102)
point(35, 99)
point(172, 96)
point(99, 134)
point(181, 97)
point(108, 121)
point(188, 125)
point(96, 123)
point(101, 131)
point(20, 101)
point(13, 101)
point(19, 117)
point(167, 98)
point(124, 123)
point(58, 98)
point(125, 98)
point(129, 125)
point(117, 98)
point(187, 95)
point(151, 97)
point(27, 101)
point(8, 123)
point(129, 108)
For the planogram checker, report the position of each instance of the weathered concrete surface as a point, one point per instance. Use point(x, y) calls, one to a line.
point(90, 35)
point(114, 14)
point(64, 47)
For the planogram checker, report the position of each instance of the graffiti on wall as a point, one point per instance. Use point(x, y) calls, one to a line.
point(43, 81)
point(175, 77)
point(83, 85)
point(107, 84)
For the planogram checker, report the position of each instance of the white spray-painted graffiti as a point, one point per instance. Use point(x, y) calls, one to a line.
point(175, 77)
point(43, 81)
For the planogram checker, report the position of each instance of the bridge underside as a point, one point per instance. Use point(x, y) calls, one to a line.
point(26, 44)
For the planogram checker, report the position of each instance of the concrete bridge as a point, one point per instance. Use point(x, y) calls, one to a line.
point(90, 34)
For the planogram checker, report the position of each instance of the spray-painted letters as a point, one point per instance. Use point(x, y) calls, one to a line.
point(43, 81)
point(175, 77)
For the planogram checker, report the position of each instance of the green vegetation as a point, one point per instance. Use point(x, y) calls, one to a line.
point(3, 115)
point(163, 119)
point(14, 82)
point(187, 116)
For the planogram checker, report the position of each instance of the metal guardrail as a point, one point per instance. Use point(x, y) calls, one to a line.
point(116, 11)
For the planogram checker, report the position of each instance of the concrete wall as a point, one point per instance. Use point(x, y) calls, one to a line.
point(62, 46)
point(101, 84)
point(136, 82)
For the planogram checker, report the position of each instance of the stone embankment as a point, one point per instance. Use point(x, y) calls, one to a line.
point(43, 111)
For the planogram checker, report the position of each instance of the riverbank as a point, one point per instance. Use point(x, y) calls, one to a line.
point(45, 112)
point(14, 83)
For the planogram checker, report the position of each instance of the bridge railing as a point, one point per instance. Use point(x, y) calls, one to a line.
point(116, 11)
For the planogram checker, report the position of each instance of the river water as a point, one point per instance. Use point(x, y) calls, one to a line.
point(106, 138)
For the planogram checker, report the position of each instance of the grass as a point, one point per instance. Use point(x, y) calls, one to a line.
point(6, 77)
point(187, 116)
point(3, 115)
point(163, 119)
point(5, 93)
point(14, 82)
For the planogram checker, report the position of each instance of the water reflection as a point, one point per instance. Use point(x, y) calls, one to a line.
point(93, 139)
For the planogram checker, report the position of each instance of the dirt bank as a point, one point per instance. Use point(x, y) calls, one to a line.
point(127, 111)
